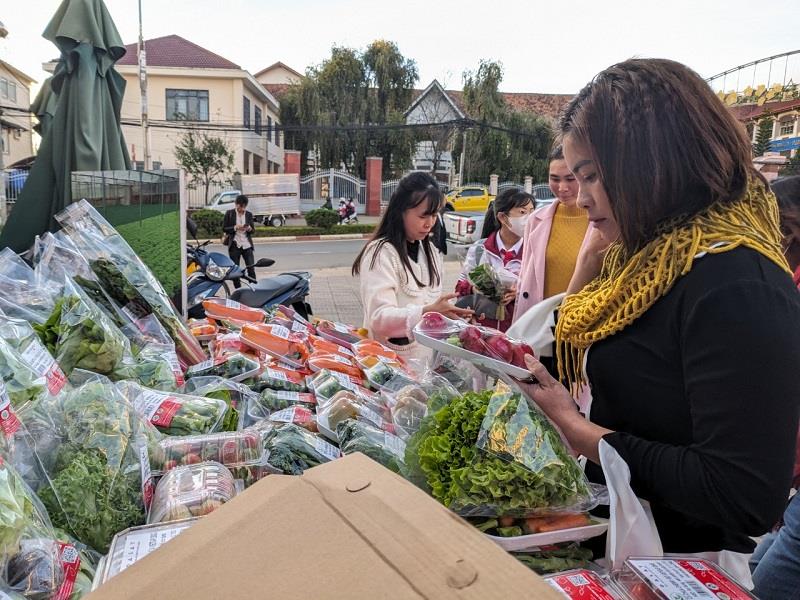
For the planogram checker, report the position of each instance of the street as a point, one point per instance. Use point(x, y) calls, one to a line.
point(334, 291)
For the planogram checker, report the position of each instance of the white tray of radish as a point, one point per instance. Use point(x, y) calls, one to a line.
point(484, 347)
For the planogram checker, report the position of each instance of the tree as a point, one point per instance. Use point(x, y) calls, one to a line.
point(763, 136)
point(205, 158)
point(793, 166)
point(353, 88)
point(503, 141)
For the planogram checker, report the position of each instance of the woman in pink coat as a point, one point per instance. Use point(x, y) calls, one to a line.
point(553, 237)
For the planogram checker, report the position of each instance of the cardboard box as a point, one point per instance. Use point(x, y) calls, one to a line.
point(349, 529)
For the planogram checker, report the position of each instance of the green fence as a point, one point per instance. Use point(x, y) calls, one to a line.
point(144, 206)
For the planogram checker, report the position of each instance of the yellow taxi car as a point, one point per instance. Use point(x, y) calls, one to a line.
point(468, 198)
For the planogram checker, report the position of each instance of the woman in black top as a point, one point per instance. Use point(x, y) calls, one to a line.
point(689, 319)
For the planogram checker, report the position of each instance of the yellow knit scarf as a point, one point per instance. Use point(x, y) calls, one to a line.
point(629, 285)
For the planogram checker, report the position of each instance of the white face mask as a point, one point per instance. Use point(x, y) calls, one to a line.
point(517, 224)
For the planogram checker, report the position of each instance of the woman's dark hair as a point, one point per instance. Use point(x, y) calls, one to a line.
point(503, 203)
point(663, 144)
point(787, 191)
point(557, 153)
point(413, 190)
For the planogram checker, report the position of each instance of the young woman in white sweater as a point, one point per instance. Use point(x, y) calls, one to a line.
point(401, 268)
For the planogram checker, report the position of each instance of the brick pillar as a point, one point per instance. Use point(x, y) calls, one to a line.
point(291, 161)
point(493, 180)
point(374, 185)
point(528, 184)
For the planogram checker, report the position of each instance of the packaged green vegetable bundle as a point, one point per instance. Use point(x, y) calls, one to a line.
point(381, 446)
point(30, 561)
point(21, 382)
point(81, 336)
point(175, 414)
point(22, 338)
point(493, 284)
point(235, 395)
point(534, 475)
point(237, 367)
point(21, 293)
point(125, 278)
point(292, 449)
point(92, 445)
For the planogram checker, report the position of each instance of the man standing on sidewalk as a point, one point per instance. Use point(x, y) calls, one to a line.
point(238, 228)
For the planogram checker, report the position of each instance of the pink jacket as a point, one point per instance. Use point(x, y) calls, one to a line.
point(530, 289)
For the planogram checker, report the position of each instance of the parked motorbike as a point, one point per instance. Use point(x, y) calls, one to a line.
point(211, 273)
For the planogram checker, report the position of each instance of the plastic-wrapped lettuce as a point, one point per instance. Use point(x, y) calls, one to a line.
point(81, 336)
point(21, 294)
point(21, 382)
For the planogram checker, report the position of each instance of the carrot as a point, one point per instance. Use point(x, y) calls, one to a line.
point(333, 362)
point(222, 308)
point(557, 522)
point(506, 521)
point(276, 341)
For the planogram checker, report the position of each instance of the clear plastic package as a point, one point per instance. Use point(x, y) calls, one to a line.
point(326, 384)
point(191, 491)
point(226, 309)
point(271, 401)
point(339, 333)
point(292, 449)
point(277, 341)
point(684, 578)
point(276, 379)
point(346, 404)
point(583, 584)
point(236, 367)
point(381, 446)
point(229, 448)
point(330, 361)
point(134, 544)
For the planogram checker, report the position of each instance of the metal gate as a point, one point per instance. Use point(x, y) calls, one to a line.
point(506, 185)
point(316, 188)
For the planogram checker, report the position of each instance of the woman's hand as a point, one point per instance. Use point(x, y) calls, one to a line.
point(590, 260)
point(557, 403)
point(444, 306)
point(509, 296)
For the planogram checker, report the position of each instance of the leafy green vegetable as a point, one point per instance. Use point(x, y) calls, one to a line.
point(292, 449)
point(80, 336)
point(234, 365)
point(555, 559)
point(21, 382)
point(16, 509)
point(442, 457)
point(89, 499)
point(486, 281)
point(358, 436)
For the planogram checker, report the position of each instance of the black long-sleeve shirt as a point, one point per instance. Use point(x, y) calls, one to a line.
point(702, 393)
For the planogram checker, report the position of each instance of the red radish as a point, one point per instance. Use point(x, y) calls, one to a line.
point(472, 340)
point(500, 347)
point(433, 322)
point(191, 459)
point(520, 350)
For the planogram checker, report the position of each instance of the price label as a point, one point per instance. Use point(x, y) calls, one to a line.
point(156, 407)
point(175, 365)
point(228, 303)
point(280, 331)
point(326, 449)
point(298, 327)
point(139, 544)
point(9, 422)
point(44, 365)
point(340, 359)
point(689, 580)
point(394, 445)
point(370, 415)
point(583, 585)
point(274, 374)
point(341, 328)
point(284, 395)
point(206, 364)
point(71, 564)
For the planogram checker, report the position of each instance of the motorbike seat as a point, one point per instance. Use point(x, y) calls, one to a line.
point(265, 291)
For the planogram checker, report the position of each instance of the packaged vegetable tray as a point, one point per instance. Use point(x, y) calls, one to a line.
point(322, 345)
point(669, 578)
point(325, 384)
point(202, 329)
point(321, 359)
point(236, 367)
point(234, 394)
point(339, 333)
point(276, 379)
point(292, 449)
point(133, 544)
point(583, 584)
point(229, 448)
point(350, 405)
point(175, 414)
point(271, 401)
point(191, 491)
point(225, 309)
point(298, 415)
point(278, 342)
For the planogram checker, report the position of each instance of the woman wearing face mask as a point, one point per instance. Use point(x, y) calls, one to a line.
point(501, 248)
point(401, 268)
point(553, 237)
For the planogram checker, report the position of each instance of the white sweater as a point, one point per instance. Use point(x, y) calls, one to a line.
point(393, 302)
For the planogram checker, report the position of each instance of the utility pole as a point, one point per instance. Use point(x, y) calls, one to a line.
point(3, 206)
point(142, 60)
point(463, 154)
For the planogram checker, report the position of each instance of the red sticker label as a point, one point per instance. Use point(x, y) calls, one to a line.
point(71, 563)
point(9, 422)
point(56, 379)
point(580, 584)
point(165, 412)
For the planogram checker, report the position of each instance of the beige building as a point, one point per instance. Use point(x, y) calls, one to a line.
point(15, 121)
point(189, 87)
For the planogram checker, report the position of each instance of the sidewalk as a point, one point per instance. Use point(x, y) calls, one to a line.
point(335, 293)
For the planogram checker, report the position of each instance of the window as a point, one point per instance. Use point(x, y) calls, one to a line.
point(471, 192)
point(138, 165)
point(4, 88)
point(269, 128)
point(257, 121)
point(187, 105)
point(277, 134)
point(256, 164)
point(786, 127)
point(246, 112)
point(246, 163)
point(12, 91)
point(156, 165)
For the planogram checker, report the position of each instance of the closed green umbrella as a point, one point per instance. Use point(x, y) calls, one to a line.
point(84, 133)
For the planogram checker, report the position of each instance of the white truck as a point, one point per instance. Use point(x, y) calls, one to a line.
point(272, 197)
point(463, 227)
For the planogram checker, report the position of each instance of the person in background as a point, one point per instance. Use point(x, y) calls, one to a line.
point(401, 269)
point(501, 248)
point(687, 326)
point(238, 227)
point(350, 211)
point(776, 561)
point(553, 237)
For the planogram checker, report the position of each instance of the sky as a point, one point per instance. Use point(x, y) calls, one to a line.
point(546, 47)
